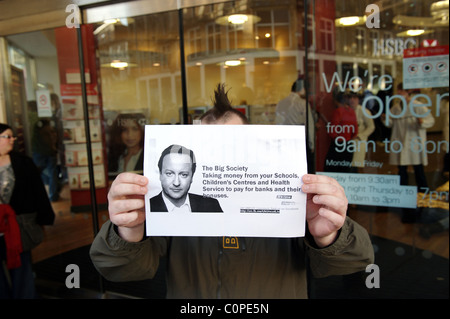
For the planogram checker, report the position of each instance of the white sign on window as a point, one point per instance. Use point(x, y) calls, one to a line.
point(425, 67)
point(44, 104)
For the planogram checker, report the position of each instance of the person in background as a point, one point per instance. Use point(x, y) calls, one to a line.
point(45, 154)
point(366, 127)
point(293, 110)
point(342, 128)
point(207, 267)
point(60, 147)
point(408, 132)
point(24, 208)
point(409, 129)
point(127, 143)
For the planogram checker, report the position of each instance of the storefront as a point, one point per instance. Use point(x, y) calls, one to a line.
point(158, 62)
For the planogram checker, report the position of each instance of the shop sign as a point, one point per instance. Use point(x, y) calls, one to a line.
point(425, 67)
point(391, 46)
point(430, 43)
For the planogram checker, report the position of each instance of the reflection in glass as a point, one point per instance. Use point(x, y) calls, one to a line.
point(126, 143)
point(139, 66)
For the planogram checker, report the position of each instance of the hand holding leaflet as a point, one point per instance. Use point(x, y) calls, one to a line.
point(326, 207)
point(126, 205)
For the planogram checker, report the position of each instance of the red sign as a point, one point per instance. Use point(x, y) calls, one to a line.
point(430, 51)
point(429, 43)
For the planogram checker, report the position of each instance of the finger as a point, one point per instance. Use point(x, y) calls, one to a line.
point(324, 188)
point(129, 219)
point(338, 205)
point(332, 201)
point(321, 179)
point(336, 219)
point(131, 185)
point(127, 212)
point(126, 205)
point(121, 190)
point(129, 179)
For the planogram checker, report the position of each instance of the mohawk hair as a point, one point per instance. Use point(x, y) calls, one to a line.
point(222, 109)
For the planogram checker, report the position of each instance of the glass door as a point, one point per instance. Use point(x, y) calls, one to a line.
point(47, 94)
point(379, 88)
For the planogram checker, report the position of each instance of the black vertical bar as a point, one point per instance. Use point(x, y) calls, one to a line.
point(310, 279)
point(307, 87)
point(87, 132)
point(183, 66)
point(88, 143)
point(306, 81)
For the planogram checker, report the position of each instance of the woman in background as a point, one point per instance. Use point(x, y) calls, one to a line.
point(24, 208)
point(342, 128)
point(410, 131)
point(366, 127)
point(127, 143)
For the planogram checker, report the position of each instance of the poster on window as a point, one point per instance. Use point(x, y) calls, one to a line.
point(44, 105)
point(425, 67)
point(225, 180)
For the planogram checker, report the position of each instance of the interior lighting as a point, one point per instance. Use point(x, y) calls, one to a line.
point(414, 33)
point(118, 64)
point(232, 63)
point(111, 21)
point(237, 18)
point(350, 21)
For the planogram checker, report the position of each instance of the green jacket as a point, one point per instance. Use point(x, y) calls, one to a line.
point(224, 267)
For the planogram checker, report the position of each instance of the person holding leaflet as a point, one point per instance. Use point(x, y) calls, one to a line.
point(210, 267)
